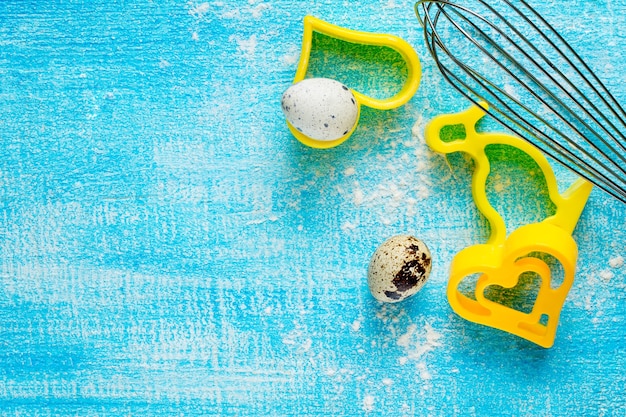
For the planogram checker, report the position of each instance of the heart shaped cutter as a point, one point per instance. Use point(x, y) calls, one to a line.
point(501, 260)
point(410, 86)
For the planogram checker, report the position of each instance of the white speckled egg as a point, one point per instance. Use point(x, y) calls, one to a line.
point(399, 268)
point(320, 108)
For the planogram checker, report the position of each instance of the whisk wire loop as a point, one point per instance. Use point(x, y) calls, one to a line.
point(553, 98)
point(564, 109)
point(615, 106)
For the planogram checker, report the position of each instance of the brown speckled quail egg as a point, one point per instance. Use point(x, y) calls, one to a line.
point(320, 108)
point(399, 268)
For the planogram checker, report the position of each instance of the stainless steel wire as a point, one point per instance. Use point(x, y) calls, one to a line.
point(506, 54)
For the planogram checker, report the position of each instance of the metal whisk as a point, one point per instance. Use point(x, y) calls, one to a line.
point(509, 56)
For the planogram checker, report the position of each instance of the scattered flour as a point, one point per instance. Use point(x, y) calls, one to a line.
point(417, 344)
point(415, 340)
point(606, 275)
point(423, 371)
point(349, 171)
point(368, 403)
point(358, 196)
point(417, 131)
point(400, 183)
point(306, 345)
point(510, 90)
point(246, 46)
point(257, 11)
point(391, 4)
point(292, 56)
point(405, 339)
point(199, 10)
point(349, 226)
point(298, 340)
point(616, 262)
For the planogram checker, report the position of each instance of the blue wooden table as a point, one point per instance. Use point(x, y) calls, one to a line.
point(168, 248)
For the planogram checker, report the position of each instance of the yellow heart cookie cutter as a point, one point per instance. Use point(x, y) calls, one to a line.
point(501, 260)
point(410, 86)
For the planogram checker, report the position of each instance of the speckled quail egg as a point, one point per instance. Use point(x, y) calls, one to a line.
point(320, 108)
point(399, 268)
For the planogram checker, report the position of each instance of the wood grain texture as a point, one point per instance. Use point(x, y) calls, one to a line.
point(167, 248)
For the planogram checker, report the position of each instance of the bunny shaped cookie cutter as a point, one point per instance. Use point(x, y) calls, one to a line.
point(502, 260)
point(408, 54)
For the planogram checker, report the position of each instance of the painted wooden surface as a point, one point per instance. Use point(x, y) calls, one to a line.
point(168, 248)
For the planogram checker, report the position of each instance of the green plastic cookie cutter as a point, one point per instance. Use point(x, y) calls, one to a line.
point(410, 86)
point(502, 260)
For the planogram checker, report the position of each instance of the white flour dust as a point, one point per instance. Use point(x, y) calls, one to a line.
point(394, 184)
point(368, 403)
point(416, 340)
point(616, 262)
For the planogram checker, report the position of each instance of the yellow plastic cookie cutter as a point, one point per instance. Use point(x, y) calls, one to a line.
point(411, 84)
point(502, 260)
